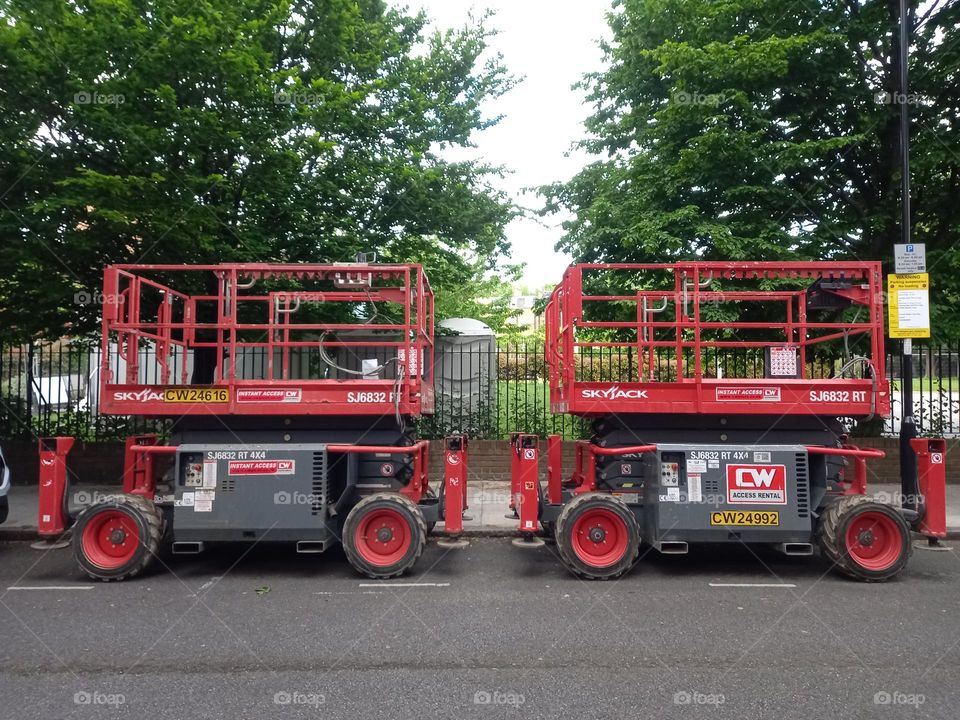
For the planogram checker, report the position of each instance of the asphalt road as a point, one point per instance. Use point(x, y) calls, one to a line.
point(488, 632)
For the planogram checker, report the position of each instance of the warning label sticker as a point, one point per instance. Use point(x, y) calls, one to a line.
point(261, 467)
point(757, 484)
point(696, 466)
point(748, 394)
point(693, 489)
point(209, 473)
point(203, 500)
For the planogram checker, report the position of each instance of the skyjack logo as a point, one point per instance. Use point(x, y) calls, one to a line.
point(144, 395)
point(757, 484)
point(613, 393)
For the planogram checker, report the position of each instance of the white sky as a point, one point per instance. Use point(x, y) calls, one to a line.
point(551, 44)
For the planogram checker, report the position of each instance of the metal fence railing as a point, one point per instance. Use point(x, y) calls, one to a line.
point(52, 388)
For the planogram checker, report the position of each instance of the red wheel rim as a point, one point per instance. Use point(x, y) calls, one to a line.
point(383, 537)
point(110, 539)
point(600, 538)
point(874, 540)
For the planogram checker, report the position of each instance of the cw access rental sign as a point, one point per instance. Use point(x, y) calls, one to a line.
point(909, 305)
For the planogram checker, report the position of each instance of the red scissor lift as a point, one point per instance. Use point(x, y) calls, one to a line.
point(292, 390)
point(726, 423)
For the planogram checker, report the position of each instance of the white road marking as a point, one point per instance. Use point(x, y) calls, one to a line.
point(51, 587)
point(210, 583)
point(404, 585)
point(752, 585)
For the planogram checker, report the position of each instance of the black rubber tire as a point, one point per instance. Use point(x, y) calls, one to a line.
point(166, 513)
point(832, 531)
point(415, 525)
point(564, 536)
point(149, 522)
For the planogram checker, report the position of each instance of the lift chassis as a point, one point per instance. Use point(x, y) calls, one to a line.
point(731, 424)
point(290, 420)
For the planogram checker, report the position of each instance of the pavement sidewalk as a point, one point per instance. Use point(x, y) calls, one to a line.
point(488, 504)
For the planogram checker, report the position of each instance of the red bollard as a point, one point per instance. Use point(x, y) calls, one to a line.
point(932, 476)
point(454, 491)
point(455, 484)
point(52, 521)
point(527, 479)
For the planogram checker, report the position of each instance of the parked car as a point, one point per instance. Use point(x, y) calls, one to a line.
point(4, 488)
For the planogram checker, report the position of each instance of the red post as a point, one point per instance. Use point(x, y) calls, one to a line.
point(52, 519)
point(514, 468)
point(932, 476)
point(588, 469)
point(455, 484)
point(527, 452)
point(135, 470)
point(554, 470)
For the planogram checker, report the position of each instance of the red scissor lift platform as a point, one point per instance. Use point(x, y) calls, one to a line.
point(291, 391)
point(718, 396)
point(259, 320)
point(672, 331)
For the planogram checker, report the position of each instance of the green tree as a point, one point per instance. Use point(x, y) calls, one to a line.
point(768, 129)
point(197, 131)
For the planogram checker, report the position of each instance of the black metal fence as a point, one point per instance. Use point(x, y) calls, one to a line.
point(52, 388)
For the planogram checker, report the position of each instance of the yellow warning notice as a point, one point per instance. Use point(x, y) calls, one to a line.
point(909, 305)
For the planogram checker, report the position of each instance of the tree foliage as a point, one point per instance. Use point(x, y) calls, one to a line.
point(197, 131)
point(768, 129)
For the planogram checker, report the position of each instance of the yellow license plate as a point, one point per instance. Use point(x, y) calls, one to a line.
point(196, 395)
point(739, 518)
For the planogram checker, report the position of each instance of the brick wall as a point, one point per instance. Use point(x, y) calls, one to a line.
point(91, 463)
point(102, 463)
point(490, 459)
